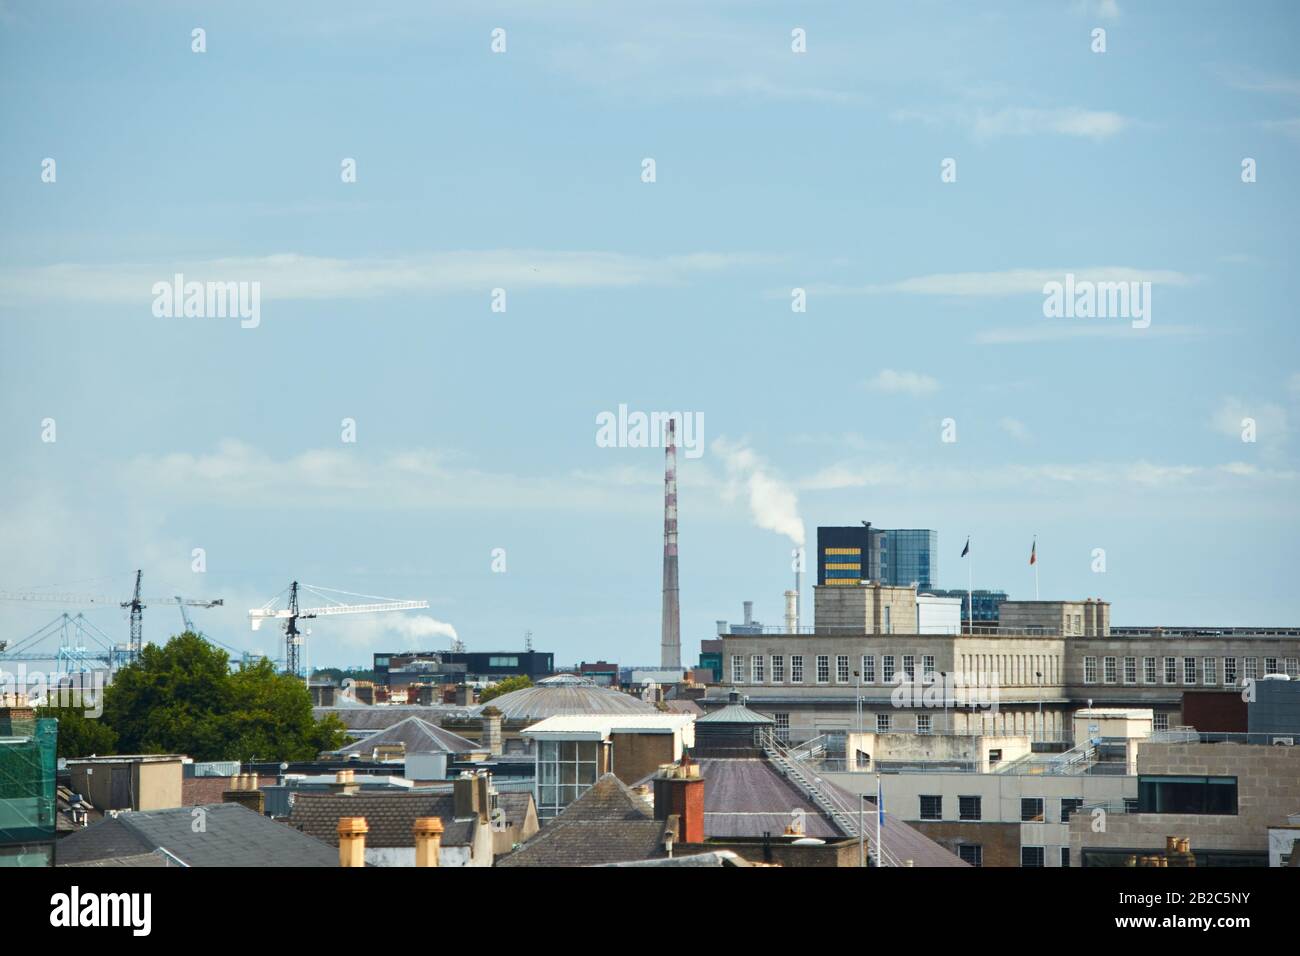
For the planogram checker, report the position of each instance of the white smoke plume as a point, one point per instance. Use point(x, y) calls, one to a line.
point(772, 503)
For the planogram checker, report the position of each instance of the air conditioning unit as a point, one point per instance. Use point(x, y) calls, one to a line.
point(1283, 741)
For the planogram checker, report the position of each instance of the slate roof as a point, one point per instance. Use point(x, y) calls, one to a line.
point(734, 714)
point(607, 824)
point(748, 796)
point(232, 835)
point(390, 816)
point(567, 694)
point(383, 716)
point(684, 707)
point(417, 736)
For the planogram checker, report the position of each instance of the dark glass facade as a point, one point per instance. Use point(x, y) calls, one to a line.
point(848, 555)
point(986, 603)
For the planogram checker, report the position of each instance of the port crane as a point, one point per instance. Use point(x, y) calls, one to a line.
point(294, 639)
point(135, 605)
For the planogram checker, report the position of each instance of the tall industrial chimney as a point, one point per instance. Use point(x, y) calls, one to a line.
point(670, 645)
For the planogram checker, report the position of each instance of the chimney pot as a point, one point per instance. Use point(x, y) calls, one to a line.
point(352, 841)
point(428, 840)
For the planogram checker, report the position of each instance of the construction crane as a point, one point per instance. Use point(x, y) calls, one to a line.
point(294, 638)
point(135, 605)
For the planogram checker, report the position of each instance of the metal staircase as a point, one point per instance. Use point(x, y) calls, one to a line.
point(790, 763)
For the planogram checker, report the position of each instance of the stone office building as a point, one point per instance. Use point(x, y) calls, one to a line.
point(866, 668)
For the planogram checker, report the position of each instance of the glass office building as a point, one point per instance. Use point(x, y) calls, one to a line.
point(987, 603)
point(27, 768)
point(892, 557)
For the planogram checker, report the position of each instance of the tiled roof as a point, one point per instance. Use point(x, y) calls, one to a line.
point(417, 736)
point(607, 824)
point(684, 707)
point(383, 716)
point(232, 835)
point(390, 816)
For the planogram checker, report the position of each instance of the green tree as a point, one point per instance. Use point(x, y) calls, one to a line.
point(518, 682)
point(79, 735)
point(182, 698)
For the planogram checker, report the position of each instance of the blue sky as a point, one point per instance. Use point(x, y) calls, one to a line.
point(522, 170)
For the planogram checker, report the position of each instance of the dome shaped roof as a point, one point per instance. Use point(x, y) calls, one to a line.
point(567, 694)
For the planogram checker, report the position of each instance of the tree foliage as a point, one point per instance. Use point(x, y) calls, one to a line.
point(80, 735)
point(183, 698)
point(518, 682)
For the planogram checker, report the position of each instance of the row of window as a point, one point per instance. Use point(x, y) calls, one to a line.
point(760, 666)
point(1032, 809)
point(1032, 856)
point(1203, 670)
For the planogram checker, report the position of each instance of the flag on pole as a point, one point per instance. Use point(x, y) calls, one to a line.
point(966, 550)
point(880, 806)
point(1033, 552)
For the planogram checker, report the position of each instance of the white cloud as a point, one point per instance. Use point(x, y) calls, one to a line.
point(984, 125)
point(292, 276)
point(909, 383)
point(1057, 332)
point(1015, 428)
point(1008, 282)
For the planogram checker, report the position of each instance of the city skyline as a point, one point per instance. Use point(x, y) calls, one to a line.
point(478, 479)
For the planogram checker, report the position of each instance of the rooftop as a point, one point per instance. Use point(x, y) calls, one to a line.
point(602, 725)
point(416, 736)
point(232, 835)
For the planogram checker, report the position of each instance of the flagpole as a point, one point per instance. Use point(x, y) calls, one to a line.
point(970, 594)
point(1035, 567)
point(880, 855)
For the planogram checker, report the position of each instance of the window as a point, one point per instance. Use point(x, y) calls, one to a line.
point(1108, 670)
point(756, 668)
point(931, 807)
point(778, 669)
point(842, 669)
point(782, 726)
point(1251, 668)
point(1031, 810)
point(1065, 856)
point(1209, 670)
point(1171, 670)
point(1068, 806)
point(503, 662)
point(923, 723)
point(1148, 670)
point(1032, 856)
point(1161, 722)
point(927, 664)
point(868, 669)
point(968, 808)
point(1168, 794)
point(1090, 670)
point(737, 669)
point(1270, 665)
point(1130, 805)
point(1293, 667)
point(888, 627)
point(887, 668)
point(796, 668)
point(972, 853)
point(1130, 670)
point(882, 723)
point(566, 769)
point(1230, 671)
point(1189, 670)
point(823, 669)
point(909, 667)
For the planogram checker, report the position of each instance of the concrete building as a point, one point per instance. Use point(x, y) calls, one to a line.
point(138, 782)
point(867, 668)
point(1226, 797)
point(573, 751)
